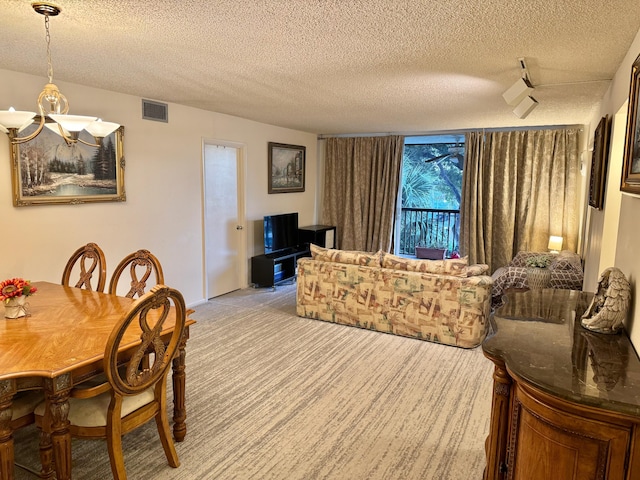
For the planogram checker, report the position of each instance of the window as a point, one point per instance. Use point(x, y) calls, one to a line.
point(431, 192)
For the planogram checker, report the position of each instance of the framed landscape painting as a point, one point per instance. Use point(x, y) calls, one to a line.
point(46, 170)
point(599, 160)
point(286, 168)
point(631, 165)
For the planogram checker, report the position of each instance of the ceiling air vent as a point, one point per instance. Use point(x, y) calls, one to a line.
point(156, 111)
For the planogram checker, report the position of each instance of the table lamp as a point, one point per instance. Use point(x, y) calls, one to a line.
point(555, 244)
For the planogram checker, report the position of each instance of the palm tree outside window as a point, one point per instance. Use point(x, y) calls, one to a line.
point(430, 194)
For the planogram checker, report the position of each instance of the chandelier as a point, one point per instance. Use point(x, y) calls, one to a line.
point(53, 104)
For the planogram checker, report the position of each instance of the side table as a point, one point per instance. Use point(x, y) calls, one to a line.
point(321, 235)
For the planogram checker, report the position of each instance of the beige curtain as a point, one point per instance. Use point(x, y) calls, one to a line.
point(518, 188)
point(362, 175)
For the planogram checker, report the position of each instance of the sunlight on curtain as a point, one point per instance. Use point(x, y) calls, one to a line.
point(518, 188)
point(362, 175)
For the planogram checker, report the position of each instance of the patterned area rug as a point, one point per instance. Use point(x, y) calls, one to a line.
point(274, 396)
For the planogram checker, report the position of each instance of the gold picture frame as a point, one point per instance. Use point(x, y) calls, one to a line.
point(47, 171)
point(631, 166)
point(286, 167)
point(599, 161)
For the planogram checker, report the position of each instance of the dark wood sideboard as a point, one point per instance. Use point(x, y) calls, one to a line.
point(566, 401)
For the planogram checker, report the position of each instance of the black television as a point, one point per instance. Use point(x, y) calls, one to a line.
point(280, 232)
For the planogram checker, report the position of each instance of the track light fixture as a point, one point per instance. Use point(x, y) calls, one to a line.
point(525, 107)
point(519, 93)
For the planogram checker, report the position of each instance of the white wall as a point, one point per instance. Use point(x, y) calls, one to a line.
point(163, 181)
point(615, 230)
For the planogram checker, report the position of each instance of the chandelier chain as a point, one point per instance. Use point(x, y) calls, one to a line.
point(48, 38)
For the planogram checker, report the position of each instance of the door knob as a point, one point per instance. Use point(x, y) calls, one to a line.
point(238, 227)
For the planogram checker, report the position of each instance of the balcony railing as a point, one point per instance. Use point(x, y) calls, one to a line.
point(429, 228)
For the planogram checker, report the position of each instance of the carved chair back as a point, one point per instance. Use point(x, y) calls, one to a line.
point(89, 259)
point(141, 265)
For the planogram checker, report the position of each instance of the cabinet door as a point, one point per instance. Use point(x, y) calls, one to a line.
point(549, 443)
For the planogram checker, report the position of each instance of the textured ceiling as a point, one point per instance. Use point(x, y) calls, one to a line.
point(335, 66)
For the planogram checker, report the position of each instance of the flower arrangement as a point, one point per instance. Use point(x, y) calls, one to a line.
point(15, 287)
point(539, 261)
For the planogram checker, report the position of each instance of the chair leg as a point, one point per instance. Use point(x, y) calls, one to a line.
point(114, 442)
point(164, 431)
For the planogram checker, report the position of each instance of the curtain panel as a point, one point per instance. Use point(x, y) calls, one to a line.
point(362, 177)
point(518, 188)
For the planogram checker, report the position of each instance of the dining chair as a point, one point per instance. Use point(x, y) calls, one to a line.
point(141, 265)
point(87, 259)
point(23, 405)
point(134, 393)
point(149, 263)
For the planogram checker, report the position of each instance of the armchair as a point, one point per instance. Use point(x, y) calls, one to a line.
point(566, 273)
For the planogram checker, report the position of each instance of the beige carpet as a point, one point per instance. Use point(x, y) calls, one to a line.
point(274, 396)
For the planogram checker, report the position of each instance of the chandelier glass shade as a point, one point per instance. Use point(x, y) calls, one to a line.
point(54, 105)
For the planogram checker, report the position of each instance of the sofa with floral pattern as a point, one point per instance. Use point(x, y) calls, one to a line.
point(444, 301)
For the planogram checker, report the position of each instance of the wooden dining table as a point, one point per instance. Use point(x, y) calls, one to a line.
point(60, 344)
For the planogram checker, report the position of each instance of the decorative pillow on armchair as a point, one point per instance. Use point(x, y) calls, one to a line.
point(566, 271)
point(520, 260)
point(566, 260)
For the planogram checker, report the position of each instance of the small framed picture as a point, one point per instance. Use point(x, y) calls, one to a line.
point(599, 160)
point(286, 168)
point(47, 170)
point(631, 165)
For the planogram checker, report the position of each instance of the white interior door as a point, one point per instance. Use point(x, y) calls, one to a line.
point(225, 237)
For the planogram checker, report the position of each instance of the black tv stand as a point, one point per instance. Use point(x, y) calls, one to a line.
point(271, 269)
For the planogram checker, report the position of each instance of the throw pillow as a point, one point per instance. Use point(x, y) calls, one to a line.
point(455, 266)
point(351, 257)
point(566, 260)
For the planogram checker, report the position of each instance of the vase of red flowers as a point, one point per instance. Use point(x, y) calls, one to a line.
point(13, 294)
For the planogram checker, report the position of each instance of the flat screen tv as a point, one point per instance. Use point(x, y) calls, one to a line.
point(280, 232)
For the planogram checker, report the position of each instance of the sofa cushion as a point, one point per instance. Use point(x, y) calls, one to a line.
point(455, 266)
point(477, 269)
point(351, 257)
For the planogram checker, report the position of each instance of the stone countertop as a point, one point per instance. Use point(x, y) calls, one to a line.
point(539, 337)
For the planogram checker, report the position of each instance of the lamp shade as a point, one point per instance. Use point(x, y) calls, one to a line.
point(100, 129)
point(72, 123)
point(55, 128)
point(15, 119)
point(555, 243)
